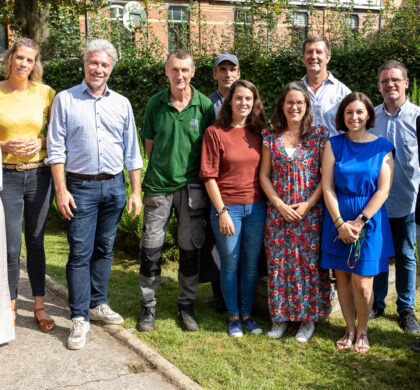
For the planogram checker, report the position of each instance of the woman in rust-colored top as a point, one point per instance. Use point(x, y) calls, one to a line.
point(231, 156)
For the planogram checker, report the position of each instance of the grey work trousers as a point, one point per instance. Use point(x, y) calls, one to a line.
point(190, 204)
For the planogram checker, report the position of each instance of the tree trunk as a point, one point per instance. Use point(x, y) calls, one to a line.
point(30, 19)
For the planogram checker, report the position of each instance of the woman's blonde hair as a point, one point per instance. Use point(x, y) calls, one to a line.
point(36, 74)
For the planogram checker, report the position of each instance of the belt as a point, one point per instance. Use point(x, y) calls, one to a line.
point(101, 176)
point(24, 166)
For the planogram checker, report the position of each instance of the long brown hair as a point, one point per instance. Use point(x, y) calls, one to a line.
point(278, 119)
point(255, 121)
point(36, 74)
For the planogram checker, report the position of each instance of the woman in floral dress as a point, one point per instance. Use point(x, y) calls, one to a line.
point(298, 289)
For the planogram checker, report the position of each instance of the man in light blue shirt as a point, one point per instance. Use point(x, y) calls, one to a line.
point(91, 136)
point(396, 121)
point(325, 91)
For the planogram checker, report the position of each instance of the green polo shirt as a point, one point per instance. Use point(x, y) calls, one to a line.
point(176, 153)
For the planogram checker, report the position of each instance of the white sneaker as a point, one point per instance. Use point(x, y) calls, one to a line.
point(305, 331)
point(277, 330)
point(106, 314)
point(79, 330)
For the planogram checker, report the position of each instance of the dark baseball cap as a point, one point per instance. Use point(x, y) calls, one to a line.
point(226, 57)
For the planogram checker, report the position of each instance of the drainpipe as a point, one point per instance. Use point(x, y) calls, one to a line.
point(86, 22)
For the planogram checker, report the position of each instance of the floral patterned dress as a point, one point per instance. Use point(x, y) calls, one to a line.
point(298, 289)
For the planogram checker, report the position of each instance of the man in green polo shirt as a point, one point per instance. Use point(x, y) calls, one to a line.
point(175, 121)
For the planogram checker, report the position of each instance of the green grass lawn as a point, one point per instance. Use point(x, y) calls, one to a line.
point(216, 361)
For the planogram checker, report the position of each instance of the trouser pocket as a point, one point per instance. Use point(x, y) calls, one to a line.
point(197, 196)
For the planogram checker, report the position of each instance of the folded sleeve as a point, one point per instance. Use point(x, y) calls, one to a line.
point(210, 155)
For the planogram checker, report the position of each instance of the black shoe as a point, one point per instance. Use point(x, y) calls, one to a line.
point(376, 312)
point(146, 322)
point(415, 347)
point(408, 322)
point(187, 319)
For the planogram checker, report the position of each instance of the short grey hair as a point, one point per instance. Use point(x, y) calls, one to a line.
point(101, 45)
point(181, 54)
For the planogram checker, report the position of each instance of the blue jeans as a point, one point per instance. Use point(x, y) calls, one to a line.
point(27, 194)
point(91, 233)
point(249, 222)
point(404, 235)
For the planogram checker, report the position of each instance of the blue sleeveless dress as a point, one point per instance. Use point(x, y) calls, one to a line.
point(356, 170)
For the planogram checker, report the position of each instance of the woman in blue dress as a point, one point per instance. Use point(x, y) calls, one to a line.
point(357, 173)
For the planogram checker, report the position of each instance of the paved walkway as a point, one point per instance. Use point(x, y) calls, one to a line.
point(37, 360)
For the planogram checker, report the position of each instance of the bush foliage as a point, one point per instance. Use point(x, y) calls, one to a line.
point(139, 79)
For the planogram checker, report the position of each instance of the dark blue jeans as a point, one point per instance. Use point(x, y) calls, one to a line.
point(249, 223)
point(91, 233)
point(28, 195)
point(403, 235)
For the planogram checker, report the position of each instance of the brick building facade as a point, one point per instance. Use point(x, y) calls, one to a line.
point(214, 22)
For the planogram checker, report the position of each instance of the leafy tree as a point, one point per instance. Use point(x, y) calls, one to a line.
point(33, 18)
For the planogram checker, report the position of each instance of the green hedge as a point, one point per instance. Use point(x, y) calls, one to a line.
point(139, 79)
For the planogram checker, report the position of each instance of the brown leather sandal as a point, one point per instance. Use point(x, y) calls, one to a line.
point(44, 325)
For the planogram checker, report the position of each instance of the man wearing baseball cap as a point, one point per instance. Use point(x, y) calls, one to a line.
point(225, 72)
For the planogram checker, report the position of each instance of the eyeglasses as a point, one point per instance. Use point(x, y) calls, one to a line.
point(291, 103)
point(392, 81)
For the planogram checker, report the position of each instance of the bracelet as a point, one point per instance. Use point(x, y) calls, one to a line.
point(337, 220)
point(222, 210)
point(339, 226)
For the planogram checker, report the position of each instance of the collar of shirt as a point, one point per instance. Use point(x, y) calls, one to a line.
point(404, 108)
point(329, 80)
point(85, 89)
point(219, 95)
point(195, 101)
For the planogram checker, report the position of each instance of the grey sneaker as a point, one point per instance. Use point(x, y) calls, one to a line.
point(187, 319)
point(146, 322)
point(305, 331)
point(78, 332)
point(277, 330)
point(105, 314)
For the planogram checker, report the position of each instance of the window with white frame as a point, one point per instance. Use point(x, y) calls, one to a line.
point(178, 27)
point(243, 20)
point(352, 22)
point(300, 25)
point(116, 18)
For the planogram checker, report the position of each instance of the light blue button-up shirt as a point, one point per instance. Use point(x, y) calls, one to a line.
point(326, 101)
point(400, 129)
point(93, 135)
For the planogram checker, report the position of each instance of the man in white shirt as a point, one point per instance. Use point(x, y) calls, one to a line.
point(325, 91)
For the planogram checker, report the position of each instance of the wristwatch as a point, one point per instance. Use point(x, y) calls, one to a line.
point(364, 218)
point(222, 210)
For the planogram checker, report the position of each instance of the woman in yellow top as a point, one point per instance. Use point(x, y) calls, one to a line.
point(27, 186)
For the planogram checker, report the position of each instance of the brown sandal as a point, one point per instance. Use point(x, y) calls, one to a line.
point(362, 344)
point(345, 342)
point(44, 325)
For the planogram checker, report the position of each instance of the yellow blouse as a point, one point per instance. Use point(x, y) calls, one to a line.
point(24, 114)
